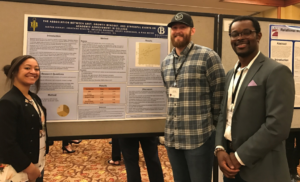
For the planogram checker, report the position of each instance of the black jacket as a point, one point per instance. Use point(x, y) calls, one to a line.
point(20, 130)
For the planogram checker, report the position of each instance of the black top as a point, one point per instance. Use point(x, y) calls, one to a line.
point(20, 130)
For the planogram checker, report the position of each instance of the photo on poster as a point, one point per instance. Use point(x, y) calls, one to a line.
point(147, 54)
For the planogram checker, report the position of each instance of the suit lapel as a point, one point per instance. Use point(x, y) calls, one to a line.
point(227, 84)
point(230, 74)
point(251, 72)
point(225, 98)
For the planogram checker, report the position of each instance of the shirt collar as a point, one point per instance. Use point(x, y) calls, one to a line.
point(248, 66)
point(185, 51)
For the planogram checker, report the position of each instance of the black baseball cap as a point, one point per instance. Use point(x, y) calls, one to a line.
point(182, 17)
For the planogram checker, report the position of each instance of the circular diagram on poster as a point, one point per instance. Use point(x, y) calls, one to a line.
point(63, 110)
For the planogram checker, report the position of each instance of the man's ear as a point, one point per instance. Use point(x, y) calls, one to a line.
point(258, 36)
point(193, 30)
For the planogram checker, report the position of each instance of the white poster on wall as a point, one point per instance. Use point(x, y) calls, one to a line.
point(284, 43)
point(91, 64)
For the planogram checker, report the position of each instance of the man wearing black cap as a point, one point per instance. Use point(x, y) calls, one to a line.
point(194, 78)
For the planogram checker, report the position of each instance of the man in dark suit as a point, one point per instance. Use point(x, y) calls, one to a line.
point(256, 112)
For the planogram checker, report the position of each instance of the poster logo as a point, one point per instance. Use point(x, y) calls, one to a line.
point(161, 30)
point(34, 24)
point(274, 32)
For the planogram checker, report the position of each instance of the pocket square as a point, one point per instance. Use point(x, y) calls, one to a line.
point(252, 84)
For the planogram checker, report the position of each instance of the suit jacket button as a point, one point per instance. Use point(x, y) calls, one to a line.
point(30, 140)
point(32, 128)
point(32, 115)
point(29, 152)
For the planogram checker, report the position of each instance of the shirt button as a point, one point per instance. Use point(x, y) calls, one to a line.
point(175, 116)
point(25, 104)
point(32, 115)
point(175, 104)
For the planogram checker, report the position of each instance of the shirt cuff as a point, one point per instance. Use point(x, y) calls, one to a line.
point(238, 158)
point(219, 146)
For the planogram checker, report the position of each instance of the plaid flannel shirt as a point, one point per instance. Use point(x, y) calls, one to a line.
point(191, 118)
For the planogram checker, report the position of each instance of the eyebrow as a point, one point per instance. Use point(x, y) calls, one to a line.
point(242, 30)
point(31, 65)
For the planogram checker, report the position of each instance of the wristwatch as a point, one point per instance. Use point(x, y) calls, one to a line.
point(217, 150)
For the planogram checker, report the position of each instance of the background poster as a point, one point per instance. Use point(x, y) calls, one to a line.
point(284, 47)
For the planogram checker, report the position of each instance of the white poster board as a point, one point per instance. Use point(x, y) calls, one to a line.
point(284, 47)
point(95, 70)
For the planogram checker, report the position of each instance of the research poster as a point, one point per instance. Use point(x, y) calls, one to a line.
point(95, 70)
point(284, 47)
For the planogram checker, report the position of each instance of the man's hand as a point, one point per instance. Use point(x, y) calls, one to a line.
point(32, 172)
point(226, 165)
point(234, 161)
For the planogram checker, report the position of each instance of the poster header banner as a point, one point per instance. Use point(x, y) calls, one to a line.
point(285, 32)
point(40, 24)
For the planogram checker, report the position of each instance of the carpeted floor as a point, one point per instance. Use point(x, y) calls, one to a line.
point(89, 164)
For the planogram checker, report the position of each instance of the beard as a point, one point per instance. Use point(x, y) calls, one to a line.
point(181, 44)
point(245, 53)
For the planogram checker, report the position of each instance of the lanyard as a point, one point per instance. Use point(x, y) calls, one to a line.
point(174, 68)
point(237, 85)
point(38, 109)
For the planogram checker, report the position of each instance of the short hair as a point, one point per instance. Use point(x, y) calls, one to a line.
point(11, 70)
point(243, 18)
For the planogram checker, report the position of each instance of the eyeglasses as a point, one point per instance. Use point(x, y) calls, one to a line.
point(245, 32)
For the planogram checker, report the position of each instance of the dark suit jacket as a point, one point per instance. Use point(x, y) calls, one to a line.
point(19, 130)
point(261, 120)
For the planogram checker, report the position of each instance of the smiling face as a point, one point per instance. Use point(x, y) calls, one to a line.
point(181, 35)
point(28, 73)
point(245, 45)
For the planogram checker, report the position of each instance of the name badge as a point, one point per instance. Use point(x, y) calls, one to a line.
point(174, 92)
